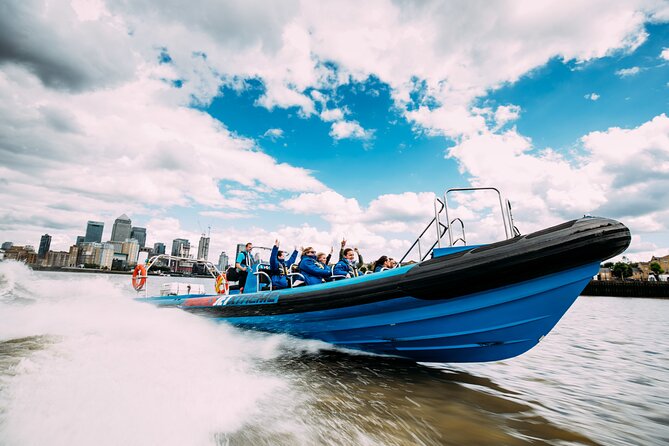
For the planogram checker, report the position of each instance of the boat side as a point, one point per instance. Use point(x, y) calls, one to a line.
point(563, 247)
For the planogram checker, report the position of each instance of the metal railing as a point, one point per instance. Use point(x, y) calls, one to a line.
point(436, 225)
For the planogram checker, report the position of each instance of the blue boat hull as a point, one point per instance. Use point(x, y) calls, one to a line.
point(475, 304)
point(486, 326)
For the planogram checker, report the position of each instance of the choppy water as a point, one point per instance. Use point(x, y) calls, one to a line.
point(81, 364)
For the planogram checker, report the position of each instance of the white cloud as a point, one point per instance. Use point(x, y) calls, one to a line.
point(505, 114)
point(349, 129)
point(665, 54)
point(628, 72)
point(592, 96)
point(334, 114)
point(273, 134)
point(221, 215)
point(621, 174)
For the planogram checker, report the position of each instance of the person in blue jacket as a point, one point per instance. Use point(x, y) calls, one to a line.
point(279, 267)
point(347, 266)
point(382, 264)
point(313, 271)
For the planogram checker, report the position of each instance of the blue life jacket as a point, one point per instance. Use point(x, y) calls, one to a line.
point(279, 269)
point(344, 267)
point(313, 271)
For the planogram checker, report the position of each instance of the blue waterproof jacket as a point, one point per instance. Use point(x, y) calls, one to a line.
point(279, 269)
point(344, 267)
point(378, 268)
point(313, 271)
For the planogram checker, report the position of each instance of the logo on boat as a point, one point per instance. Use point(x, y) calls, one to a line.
point(270, 298)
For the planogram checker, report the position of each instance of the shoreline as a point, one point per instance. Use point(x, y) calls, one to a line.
point(102, 271)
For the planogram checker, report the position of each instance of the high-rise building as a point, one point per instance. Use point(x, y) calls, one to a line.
point(72, 260)
point(80, 239)
point(158, 248)
point(7, 245)
point(180, 247)
point(223, 261)
point(44, 245)
point(203, 248)
point(131, 248)
point(104, 255)
point(121, 229)
point(139, 234)
point(94, 232)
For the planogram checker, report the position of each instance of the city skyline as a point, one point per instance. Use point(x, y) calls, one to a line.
point(326, 121)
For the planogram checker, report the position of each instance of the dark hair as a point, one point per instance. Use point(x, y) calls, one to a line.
point(247, 245)
point(381, 261)
point(347, 250)
point(279, 253)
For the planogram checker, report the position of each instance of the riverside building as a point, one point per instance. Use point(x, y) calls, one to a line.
point(139, 234)
point(94, 232)
point(121, 229)
point(44, 245)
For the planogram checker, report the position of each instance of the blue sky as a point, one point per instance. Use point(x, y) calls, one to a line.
point(316, 121)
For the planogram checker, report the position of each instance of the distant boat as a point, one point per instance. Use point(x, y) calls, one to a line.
point(458, 304)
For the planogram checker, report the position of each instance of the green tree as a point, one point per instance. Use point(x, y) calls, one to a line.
point(656, 268)
point(621, 270)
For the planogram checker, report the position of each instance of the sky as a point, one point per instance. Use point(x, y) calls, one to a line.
point(310, 122)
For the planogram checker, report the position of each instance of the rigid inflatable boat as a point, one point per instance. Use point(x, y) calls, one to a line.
point(459, 304)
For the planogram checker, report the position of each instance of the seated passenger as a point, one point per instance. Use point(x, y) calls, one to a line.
point(382, 264)
point(313, 271)
point(322, 259)
point(393, 263)
point(347, 266)
point(279, 267)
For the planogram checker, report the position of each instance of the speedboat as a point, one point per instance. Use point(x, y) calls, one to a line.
point(458, 303)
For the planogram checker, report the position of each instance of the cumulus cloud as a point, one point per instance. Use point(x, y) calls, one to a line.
point(273, 134)
point(350, 130)
point(665, 54)
point(62, 51)
point(628, 72)
point(505, 114)
point(592, 96)
point(620, 175)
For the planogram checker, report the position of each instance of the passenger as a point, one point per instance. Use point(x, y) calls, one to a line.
point(279, 267)
point(313, 271)
point(243, 264)
point(347, 266)
point(393, 263)
point(382, 264)
point(342, 255)
point(322, 259)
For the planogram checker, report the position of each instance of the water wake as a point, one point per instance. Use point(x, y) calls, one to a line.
point(85, 364)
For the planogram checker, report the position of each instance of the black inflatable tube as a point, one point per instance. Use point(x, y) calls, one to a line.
point(561, 247)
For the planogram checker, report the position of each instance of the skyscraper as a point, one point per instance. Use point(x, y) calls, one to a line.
point(44, 245)
point(121, 229)
point(180, 247)
point(223, 261)
point(139, 234)
point(203, 248)
point(7, 245)
point(158, 248)
point(80, 239)
point(94, 231)
point(131, 248)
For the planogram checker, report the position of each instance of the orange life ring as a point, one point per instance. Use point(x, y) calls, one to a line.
point(222, 285)
point(139, 277)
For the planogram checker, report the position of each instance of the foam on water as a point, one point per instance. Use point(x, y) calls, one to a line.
point(114, 371)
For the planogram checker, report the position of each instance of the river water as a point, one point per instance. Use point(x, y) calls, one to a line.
point(81, 363)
